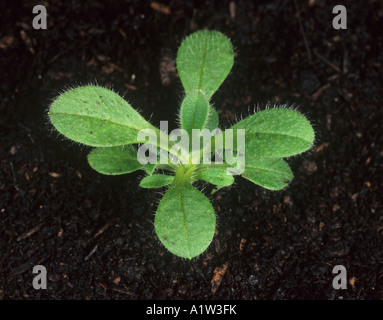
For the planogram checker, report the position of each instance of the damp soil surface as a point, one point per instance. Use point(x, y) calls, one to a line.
point(95, 234)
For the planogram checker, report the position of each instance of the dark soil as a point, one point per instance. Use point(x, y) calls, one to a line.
point(94, 233)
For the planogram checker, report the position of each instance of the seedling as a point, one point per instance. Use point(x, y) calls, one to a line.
point(125, 142)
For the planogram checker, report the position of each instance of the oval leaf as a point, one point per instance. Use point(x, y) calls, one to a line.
point(185, 221)
point(114, 160)
point(156, 181)
point(272, 174)
point(204, 60)
point(96, 116)
point(276, 133)
point(194, 111)
point(219, 177)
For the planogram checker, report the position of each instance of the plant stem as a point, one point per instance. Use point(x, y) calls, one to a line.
point(183, 175)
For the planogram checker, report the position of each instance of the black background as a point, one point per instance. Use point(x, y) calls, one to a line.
point(95, 233)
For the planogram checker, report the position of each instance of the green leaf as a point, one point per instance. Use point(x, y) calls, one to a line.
point(149, 168)
point(212, 120)
point(97, 117)
point(114, 160)
point(156, 181)
point(272, 174)
point(194, 111)
point(204, 60)
point(219, 177)
point(185, 221)
point(276, 133)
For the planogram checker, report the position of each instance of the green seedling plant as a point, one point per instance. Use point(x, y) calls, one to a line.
point(124, 142)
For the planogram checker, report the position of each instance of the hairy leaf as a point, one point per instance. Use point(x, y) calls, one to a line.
point(194, 111)
point(219, 177)
point(185, 221)
point(272, 174)
point(212, 120)
point(156, 181)
point(114, 160)
point(204, 60)
point(276, 133)
point(97, 117)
